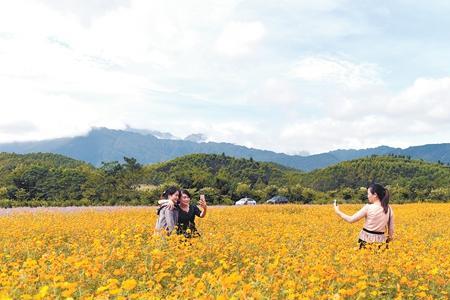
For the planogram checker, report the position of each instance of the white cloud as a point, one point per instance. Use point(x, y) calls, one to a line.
point(52, 115)
point(248, 72)
point(274, 91)
point(338, 71)
point(240, 132)
point(65, 75)
point(413, 116)
point(427, 100)
point(17, 127)
point(317, 5)
point(326, 134)
point(240, 38)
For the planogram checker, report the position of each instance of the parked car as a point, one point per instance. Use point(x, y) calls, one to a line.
point(277, 200)
point(245, 201)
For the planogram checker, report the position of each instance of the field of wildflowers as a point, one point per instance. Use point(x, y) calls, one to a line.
point(260, 252)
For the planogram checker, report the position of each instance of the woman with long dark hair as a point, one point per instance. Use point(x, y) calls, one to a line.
point(168, 211)
point(378, 216)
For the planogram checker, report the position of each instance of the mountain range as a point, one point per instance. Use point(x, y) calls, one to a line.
point(103, 145)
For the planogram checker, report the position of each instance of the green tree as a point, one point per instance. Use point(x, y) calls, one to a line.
point(242, 190)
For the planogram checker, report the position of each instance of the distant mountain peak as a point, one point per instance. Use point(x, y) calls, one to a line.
point(300, 153)
point(155, 133)
point(196, 137)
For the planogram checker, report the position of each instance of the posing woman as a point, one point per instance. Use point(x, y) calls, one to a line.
point(378, 216)
point(168, 211)
point(187, 213)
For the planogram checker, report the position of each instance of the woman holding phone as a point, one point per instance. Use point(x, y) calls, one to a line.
point(187, 213)
point(378, 216)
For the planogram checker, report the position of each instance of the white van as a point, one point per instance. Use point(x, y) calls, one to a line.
point(245, 201)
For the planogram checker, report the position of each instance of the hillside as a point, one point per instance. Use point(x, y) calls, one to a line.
point(388, 170)
point(49, 179)
point(46, 159)
point(407, 179)
point(11, 162)
point(200, 170)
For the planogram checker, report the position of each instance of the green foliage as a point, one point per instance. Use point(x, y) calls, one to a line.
point(242, 190)
point(440, 194)
point(40, 179)
point(387, 170)
point(230, 178)
point(47, 179)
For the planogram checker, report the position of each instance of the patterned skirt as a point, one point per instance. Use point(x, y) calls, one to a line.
point(372, 236)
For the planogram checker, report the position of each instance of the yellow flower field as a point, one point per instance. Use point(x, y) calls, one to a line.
point(261, 252)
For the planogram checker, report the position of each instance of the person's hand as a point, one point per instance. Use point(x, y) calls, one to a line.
point(335, 205)
point(202, 201)
point(389, 239)
point(170, 205)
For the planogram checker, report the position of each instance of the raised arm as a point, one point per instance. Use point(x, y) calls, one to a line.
point(164, 202)
point(202, 204)
point(351, 219)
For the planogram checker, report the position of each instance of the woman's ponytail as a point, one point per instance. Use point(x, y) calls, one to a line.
point(385, 201)
point(382, 193)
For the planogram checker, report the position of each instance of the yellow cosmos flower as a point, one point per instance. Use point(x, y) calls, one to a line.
point(129, 284)
point(258, 254)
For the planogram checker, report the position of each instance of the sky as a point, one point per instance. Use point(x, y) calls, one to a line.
point(289, 76)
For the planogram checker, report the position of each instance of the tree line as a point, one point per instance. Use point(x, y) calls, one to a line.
point(43, 179)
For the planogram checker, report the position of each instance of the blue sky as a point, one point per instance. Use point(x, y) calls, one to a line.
point(288, 76)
